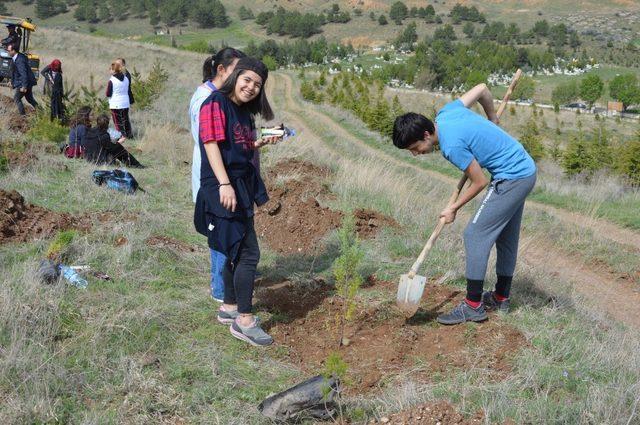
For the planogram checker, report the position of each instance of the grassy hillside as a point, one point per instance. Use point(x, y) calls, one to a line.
point(360, 30)
point(145, 347)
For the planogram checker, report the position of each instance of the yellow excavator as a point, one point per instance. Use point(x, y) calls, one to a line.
point(19, 31)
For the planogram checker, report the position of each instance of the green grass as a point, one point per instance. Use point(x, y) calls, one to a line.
point(235, 34)
point(622, 212)
point(145, 347)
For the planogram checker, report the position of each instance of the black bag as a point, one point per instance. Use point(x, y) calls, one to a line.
point(315, 398)
point(119, 180)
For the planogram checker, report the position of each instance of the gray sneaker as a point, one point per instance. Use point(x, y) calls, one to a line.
point(253, 334)
point(227, 317)
point(490, 303)
point(461, 313)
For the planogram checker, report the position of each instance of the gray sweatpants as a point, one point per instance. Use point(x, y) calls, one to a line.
point(497, 221)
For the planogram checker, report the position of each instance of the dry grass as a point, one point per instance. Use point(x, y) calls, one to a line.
point(144, 348)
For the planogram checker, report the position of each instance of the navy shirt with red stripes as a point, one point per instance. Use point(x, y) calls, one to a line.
point(232, 127)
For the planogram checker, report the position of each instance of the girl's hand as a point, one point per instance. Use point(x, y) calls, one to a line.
point(121, 139)
point(269, 140)
point(228, 197)
point(449, 215)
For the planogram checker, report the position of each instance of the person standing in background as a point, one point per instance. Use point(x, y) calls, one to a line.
point(118, 89)
point(22, 79)
point(53, 86)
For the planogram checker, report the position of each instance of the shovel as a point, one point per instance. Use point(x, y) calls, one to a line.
point(411, 285)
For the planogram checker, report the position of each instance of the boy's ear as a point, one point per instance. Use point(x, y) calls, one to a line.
point(426, 135)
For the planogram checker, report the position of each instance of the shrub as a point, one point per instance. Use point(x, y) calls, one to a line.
point(199, 46)
point(146, 91)
point(59, 244)
point(628, 160)
point(42, 129)
point(270, 62)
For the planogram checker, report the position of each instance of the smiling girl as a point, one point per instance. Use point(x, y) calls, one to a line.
point(230, 185)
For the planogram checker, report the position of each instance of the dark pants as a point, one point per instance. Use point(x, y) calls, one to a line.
point(57, 107)
point(121, 121)
point(28, 95)
point(239, 277)
point(117, 151)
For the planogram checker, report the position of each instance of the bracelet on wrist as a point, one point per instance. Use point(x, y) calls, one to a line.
point(225, 184)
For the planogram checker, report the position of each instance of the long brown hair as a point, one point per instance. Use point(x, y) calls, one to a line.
point(83, 116)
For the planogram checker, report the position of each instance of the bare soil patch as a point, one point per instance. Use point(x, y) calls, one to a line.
point(433, 413)
point(21, 222)
point(170, 243)
point(381, 343)
point(369, 222)
point(293, 221)
point(10, 118)
point(20, 159)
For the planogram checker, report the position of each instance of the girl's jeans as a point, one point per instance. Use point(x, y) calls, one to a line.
point(218, 260)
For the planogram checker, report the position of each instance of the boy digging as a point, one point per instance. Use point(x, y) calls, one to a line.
point(471, 143)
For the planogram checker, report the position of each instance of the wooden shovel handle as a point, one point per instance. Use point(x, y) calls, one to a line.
point(459, 186)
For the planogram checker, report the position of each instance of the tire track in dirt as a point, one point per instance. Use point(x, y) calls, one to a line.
point(616, 297)
point(603, 228)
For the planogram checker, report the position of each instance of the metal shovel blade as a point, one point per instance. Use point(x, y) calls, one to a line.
point(410, 292)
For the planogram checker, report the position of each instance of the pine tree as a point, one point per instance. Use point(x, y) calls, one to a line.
point(577, 158)
point(628, 160)
point(138, 8)
point(532, 140)
point(104, 14)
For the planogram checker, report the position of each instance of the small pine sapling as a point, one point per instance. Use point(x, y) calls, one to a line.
point(345, 271)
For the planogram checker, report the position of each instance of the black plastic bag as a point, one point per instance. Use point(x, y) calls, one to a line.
point(313, 398)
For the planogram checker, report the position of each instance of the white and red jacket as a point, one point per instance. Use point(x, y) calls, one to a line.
point(118, 92)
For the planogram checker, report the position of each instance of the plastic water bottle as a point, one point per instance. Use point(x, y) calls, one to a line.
point(73, 277)
point(280, 131)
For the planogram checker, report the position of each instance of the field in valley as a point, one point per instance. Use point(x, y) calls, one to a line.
point(145, 347)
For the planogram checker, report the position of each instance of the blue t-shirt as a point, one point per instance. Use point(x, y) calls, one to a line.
point(464, 135)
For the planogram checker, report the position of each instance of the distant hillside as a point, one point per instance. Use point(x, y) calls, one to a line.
point(608, 20)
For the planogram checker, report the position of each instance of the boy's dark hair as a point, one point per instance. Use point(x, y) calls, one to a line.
point(259, 105)
point(409, 128)
point(102, 122)
point(224, 57)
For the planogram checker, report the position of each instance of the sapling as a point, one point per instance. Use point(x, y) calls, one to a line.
point(345, 271)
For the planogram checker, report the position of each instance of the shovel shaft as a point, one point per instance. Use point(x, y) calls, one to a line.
point(459, 186)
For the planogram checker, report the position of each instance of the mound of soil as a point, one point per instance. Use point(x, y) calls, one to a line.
point(21, 222)
point(381, 343)
point(369, 222)
point(293, 221)
point(170, 243)
point(10, 117)
point(20, 159)
point(434, 413)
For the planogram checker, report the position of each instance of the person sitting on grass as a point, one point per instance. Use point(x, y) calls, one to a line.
point(78, 126)
point(471, 143)
point(230, 185)
point(99, 148)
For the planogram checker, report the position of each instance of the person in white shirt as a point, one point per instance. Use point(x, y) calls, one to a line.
point(119, 94)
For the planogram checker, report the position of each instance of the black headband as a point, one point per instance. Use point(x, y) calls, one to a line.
point(251, 64)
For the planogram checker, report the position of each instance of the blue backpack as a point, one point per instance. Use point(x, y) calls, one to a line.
point(122, 181)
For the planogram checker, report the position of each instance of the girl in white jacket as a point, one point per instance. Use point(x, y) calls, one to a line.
point(119, 94)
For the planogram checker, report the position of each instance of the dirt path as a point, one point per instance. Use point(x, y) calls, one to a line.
point(601, 227)
point(621, 296)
